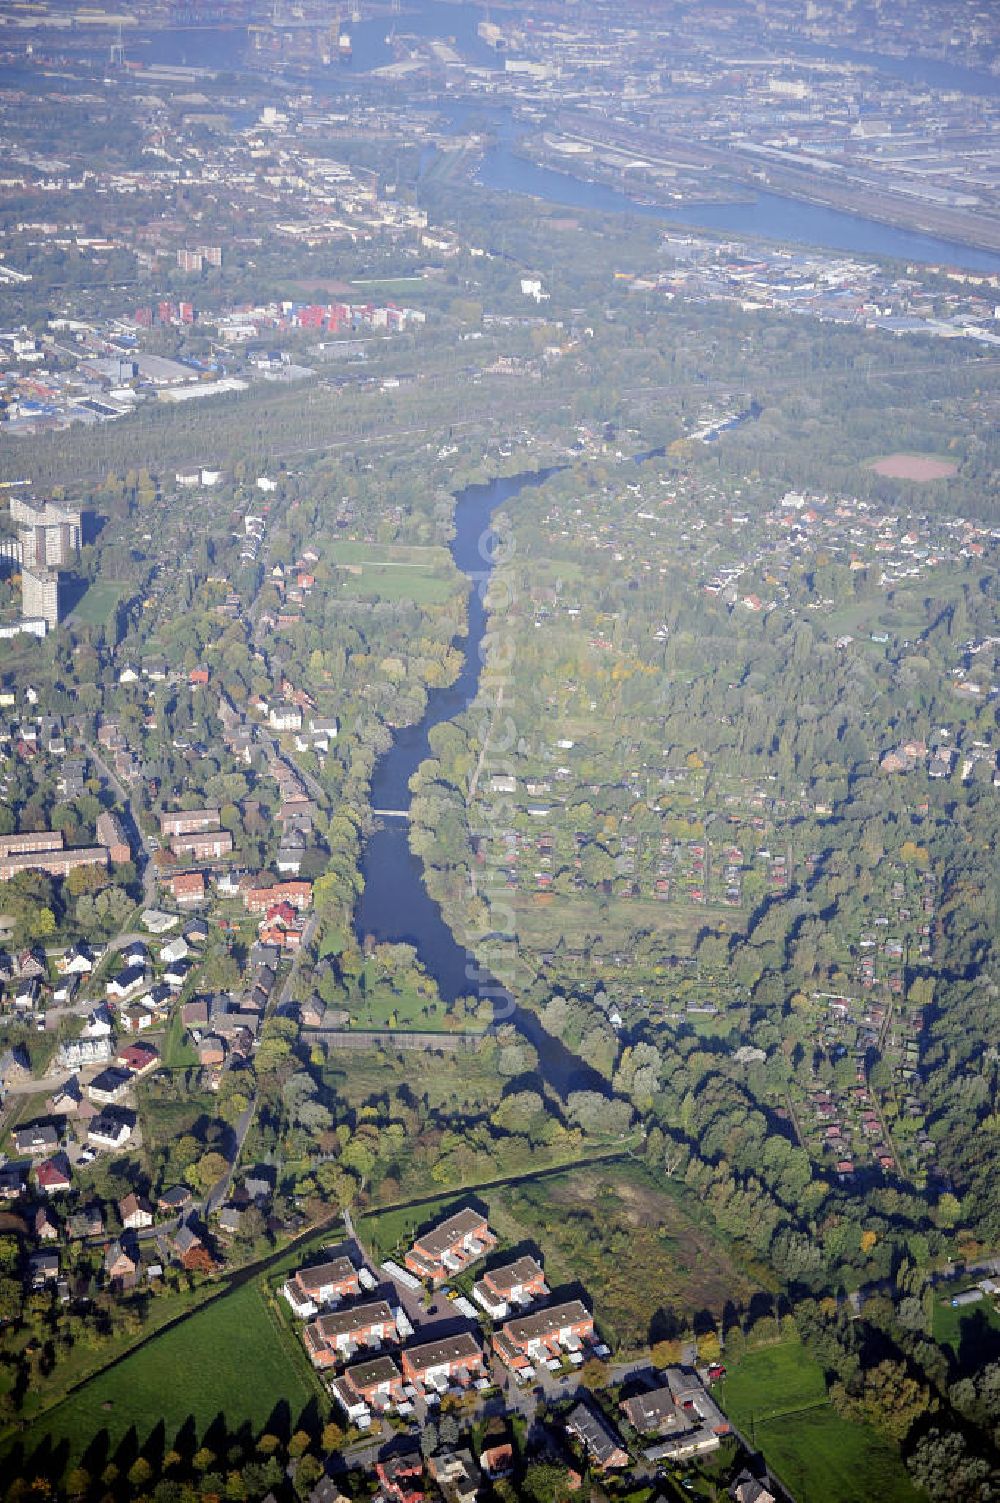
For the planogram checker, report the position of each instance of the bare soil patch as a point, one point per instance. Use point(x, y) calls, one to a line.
point(914, 467)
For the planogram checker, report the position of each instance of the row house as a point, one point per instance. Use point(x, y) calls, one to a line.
point(203, 847)
point(332, 1339)
point(519, 1283)
point(369, 1387)
point(311, 1289)
point(545, 1335)
point(450, 1246)
point(259, 899)
point(189, 821)
point(439, 1365)
point(110, 833)
point(54, 863)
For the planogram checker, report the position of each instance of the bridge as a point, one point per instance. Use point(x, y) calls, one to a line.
point(392, 813)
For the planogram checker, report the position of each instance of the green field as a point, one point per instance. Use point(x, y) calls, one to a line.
point(390, 285)
point(540, 924)
point(825, 1459)
point(772, 1381)
point(396, 572)
point(776, 1396)
point(227, 1360)
point(972, 1332)
point(98, 605)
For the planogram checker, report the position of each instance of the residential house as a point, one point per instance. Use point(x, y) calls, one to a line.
point(85, 1224)
point(334, 1338)
point(544, 1335)
point(15, 1067)
point(76, 961)
point(45, 1225)
point(447, 1362)
point(203, 847)
point(706, 1422)
point(188, 889)
point(598, 1438)
point(369, 1387)
point(120, 1264)
point(259, 1182)
point(311, 1289)
point(135, 1212)
point(43, 1268)
point(13, 1180)
point(401, 1477)
point(188, 821)
point(174, 1200)
point(450, 1246)
point(110, 1130)
point(519, 1283)
point(746, 1488)
point(110, 1085)
point(65, 1100)
point(497, 1459)
point(211, 1051)
point(655, 1412)
point(36, 1139)
point(456, 1475)
point(99, 1024)
point(53, 1176)
point(127, 984)
point(139, 1058)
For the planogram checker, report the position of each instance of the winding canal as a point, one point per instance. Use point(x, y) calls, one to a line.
point(395, 905)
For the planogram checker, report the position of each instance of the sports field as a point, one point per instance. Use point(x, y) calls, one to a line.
point(914, 467)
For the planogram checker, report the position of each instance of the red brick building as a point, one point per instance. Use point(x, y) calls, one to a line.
point(203, 847)
point(335, 1338)
point(439, 1364)
point(450, 1246)
point(549, 1333)
point(188, 821)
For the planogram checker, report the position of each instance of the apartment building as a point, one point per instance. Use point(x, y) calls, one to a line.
point(450, 1246)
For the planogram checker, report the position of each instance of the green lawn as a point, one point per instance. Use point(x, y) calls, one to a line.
point(776, 1395)
point(972, 1331)
point(227, 1360)
point(98, 605)
point(771, 1381)
point(390, 1233)
point(825, 1459)
point(387, 582)
point(178, 1052)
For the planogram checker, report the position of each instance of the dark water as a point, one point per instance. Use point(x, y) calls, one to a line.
point(395, 905)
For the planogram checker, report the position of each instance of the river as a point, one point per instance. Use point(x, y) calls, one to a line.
point(395, 905)
point(788, 220)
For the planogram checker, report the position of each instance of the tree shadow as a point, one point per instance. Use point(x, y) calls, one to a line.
point(127, 1451)
point(978, 1343)
point(279, 1421)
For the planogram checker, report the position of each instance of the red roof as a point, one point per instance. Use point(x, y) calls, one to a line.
point(137, 1056)
point(51, 1174)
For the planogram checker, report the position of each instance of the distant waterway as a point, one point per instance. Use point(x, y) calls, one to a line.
point(395, 905)
point(790, 221)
